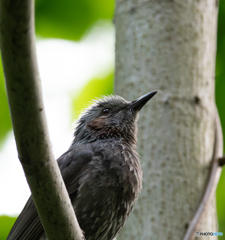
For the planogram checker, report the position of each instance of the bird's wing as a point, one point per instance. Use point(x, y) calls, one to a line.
point(27, 225)
point(72, 163)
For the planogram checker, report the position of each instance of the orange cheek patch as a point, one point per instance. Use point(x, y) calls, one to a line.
point(97, 124)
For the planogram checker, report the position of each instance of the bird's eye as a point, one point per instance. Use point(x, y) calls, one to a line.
point(106, 111)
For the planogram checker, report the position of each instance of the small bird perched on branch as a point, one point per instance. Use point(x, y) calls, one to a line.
point(101, 171)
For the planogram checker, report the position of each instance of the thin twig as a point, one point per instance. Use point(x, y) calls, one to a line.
point(213, 178)
point(29, 123)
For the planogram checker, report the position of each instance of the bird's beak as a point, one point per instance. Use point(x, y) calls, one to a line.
point(137, 104)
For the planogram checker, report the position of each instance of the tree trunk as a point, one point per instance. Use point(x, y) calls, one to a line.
point(29, 123)
point(169, 46)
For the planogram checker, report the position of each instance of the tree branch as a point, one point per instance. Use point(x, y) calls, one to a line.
point(217, 162)
point(29, 122)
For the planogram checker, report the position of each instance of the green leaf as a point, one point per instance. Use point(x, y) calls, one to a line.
point(5, 121)
point(220, 102)
point(6, 224)
point(70, 19)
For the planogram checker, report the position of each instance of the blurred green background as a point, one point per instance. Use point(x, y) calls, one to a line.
point(71, 20)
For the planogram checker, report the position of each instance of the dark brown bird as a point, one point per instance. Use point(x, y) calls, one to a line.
point(101, 171)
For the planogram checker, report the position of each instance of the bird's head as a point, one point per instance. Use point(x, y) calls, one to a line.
point(110, 118)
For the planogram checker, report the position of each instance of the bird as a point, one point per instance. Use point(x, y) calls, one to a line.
point(101, 171)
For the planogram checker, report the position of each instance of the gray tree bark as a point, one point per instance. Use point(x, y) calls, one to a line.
point(29, 123)
point(169, 46)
